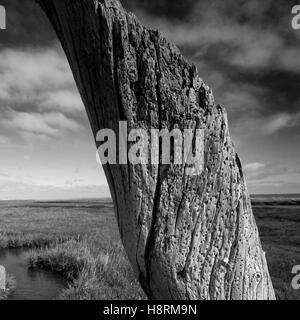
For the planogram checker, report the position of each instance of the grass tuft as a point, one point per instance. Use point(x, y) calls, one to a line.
point(106, 275)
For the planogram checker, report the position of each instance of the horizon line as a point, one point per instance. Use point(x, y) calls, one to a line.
point(110, 198)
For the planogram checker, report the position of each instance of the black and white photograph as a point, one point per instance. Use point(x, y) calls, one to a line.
point(149, 151)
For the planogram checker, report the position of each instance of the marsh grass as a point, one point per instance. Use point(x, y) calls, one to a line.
point(80, 241)
point(279, 228)
point(106, 275)
point(13, 240)
point(69, 258)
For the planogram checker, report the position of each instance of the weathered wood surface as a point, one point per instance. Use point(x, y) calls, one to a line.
point(187, 237)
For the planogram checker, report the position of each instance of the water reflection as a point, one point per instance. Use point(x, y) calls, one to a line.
point(30, 284)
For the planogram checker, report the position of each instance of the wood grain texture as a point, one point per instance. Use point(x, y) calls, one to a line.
point(187, 237)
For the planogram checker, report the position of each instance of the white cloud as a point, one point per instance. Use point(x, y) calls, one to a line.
point(241, 99)
point(27, 73)
point(66, 100)
point(37, 94)
point(281, 121)
point(251, 167)
point(277, 122)
point(16, 190)
point(243, 45)
point(257, 171)
point(4, 140)
point(41, 124)
point(257, 124)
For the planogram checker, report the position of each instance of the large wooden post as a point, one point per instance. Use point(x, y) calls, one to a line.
point(187, 237)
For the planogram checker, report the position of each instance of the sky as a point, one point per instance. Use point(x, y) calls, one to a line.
point(245, 50)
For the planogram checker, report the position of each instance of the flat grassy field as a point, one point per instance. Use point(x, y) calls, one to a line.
point(278, 220)
point(80, 240)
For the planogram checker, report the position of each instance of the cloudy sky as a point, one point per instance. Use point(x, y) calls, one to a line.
point(246, 50)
